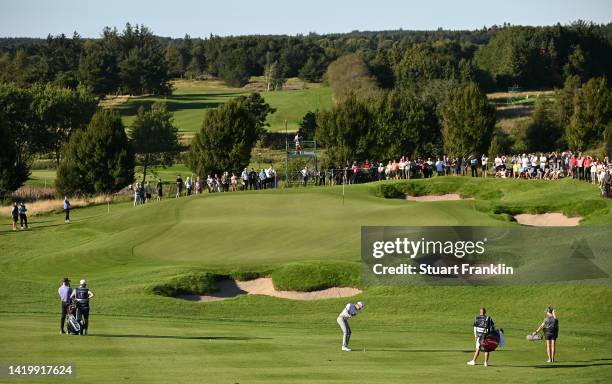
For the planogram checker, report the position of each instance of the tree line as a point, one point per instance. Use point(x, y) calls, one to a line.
point(135, 61)
point(432, 114)
point(127, 62)
point(93, 151)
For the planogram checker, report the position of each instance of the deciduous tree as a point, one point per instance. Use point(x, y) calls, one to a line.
point(154, 137)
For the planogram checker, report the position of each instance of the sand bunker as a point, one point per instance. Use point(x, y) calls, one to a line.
point(263, 286)
point(553, 219)
point(447, 197)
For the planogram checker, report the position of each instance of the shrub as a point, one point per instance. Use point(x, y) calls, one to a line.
point(193, 283)
point(316, 275)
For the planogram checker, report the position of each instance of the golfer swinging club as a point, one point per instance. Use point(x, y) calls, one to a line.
point(349, 311)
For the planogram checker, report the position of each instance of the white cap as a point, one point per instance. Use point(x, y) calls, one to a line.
point(83, 282)
point(360, 304)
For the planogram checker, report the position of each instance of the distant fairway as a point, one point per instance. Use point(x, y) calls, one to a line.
point(190, 100)
point(412, 334)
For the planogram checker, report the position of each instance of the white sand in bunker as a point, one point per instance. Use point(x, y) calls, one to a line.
point(552, 219)
point(263, 286)
point(446, 197)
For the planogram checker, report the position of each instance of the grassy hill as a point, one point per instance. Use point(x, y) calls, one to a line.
point(191, 98)
point(417, 334)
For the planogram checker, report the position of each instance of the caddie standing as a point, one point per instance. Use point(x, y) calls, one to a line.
point(82, 295)
point(349, 311)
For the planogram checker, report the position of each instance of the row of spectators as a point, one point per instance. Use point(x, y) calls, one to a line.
point(528, 166)
point(543, 166)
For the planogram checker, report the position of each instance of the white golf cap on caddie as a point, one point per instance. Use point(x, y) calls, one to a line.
point(83, 282)
point(360, 304)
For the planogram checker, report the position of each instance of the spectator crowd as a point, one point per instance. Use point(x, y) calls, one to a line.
point(530, 166)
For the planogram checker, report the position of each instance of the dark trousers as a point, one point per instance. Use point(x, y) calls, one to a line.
point(474, 171)
point(64, 313)
point(23, 219)
point(83, 317)
point(67, 214)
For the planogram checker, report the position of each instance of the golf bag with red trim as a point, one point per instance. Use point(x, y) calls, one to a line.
point(490, 341)
point(74, 325)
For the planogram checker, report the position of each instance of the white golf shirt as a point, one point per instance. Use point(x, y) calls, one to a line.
point(349, 311)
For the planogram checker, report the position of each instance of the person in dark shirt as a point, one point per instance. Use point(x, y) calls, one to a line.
point(483, 324)
point(550, 325)
point(23, 216)
point(252, 179)
point(82, 295)
point(15, 215)
point(179, 186)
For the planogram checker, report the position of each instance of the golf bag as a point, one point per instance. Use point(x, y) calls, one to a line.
point(534, 337)
point(74, 325)
point(606, 190)
point(490, 341)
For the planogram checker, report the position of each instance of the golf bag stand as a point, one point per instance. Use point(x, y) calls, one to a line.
point(74, 325)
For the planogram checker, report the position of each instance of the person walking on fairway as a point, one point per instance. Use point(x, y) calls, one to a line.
point(64, 292)
point(67, 209)
point(550, 325)
point(483, 324)
point(349, 311)
point(160, 189)
point(15, 215)
point(23, 215)
point(82, 295)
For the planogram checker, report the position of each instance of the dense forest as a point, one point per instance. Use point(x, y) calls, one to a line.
point(135, 61)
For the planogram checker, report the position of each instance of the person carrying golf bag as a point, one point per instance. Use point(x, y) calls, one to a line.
point(82, 295)
point(349, 311)
point(483, 328)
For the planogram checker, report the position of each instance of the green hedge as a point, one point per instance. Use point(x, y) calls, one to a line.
point(192, 283)
point(316, 275)
point(244, 274)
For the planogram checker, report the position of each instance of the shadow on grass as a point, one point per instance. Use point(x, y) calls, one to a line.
point(419, 350)
point(592, 363)
point(31, 227)
point(173, 106)
point(134, 336)
point(200, 96)
point(552, 366)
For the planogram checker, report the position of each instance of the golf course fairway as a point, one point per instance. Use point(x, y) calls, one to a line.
point(133, 256)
